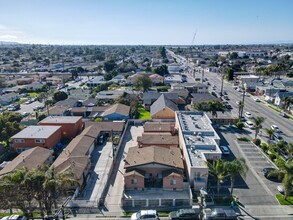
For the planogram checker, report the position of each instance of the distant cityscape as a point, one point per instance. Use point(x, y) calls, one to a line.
point(146, 132)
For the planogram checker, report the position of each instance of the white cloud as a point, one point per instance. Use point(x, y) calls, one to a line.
point(8, 37)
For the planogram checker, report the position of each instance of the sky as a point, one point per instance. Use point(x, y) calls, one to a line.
point(146, 22)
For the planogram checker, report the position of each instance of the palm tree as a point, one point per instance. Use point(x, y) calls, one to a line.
point(270, 132)
point(213, 107)
point(258, 124)
point(240, 108)
point(218, 169)
point(235, 168)
point(289, 150)
point(286, 170)
point(287, 102)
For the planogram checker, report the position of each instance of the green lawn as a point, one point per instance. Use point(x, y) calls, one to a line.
point(143, 114)
point(33, 94)
point(288, 201)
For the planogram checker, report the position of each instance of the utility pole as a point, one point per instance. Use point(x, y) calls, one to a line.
point(222, 84)
point(243, 96)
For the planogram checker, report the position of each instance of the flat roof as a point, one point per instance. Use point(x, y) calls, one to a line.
point(33, 132)
point(199, 137)
point(61, 119)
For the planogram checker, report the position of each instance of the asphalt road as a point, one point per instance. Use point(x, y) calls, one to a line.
point(256, 108)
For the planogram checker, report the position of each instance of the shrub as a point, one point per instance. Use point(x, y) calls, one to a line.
point(264, 147)
point(272, 157)
point(243, 139)
point(257, 141)
point(240, 125)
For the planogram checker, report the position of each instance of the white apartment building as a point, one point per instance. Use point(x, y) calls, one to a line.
point(199, 143)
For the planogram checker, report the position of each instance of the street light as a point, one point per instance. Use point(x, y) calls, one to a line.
point(203, 193)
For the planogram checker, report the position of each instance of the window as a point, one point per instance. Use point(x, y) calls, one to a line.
point(40, 141)
point(19, 140)
point(172, 182)
point(134, 181)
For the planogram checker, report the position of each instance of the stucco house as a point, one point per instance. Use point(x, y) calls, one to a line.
point(34, 136)
point(163, 108)
point(153, 167)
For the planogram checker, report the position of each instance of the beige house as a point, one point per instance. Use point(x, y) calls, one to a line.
point(157, 79)
point(163, 108)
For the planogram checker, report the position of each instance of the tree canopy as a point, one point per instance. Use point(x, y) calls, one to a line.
point(59, 96)
point(9, 124)
point(162, 70)
point(143, 83)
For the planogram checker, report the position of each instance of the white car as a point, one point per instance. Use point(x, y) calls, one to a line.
point(275, 128)
point(257, 99)
point(145, 214)
point(249, 124)
point(248, 115)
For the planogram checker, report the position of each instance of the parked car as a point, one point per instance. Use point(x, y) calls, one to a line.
point(225, 150)
point(184, 214)
point(145, 214)
point(276, 128)
point(277, 136)
point(257, 99)
point(220, 213)
point(266, 171)
point(25, 114)
point(249, 124)
point(248, 115)
point(283, 114)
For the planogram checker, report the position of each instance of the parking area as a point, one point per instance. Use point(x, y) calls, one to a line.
point(254, 189)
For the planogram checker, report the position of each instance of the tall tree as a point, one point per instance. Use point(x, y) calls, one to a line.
point(258, 124)
point(235, 168)
point(286, 171)
point(59, 96)
point(218, 169)
point(143, 83)
point(270, 132)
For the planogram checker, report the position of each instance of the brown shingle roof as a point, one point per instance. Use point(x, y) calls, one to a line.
point(31, 159)
point(158, 139)
point(79, 146)
point(117, 108)
point(157, 126)
point(139, 156)
point(106, 126)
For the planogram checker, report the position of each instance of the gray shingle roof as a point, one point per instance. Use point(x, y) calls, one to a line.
point(162, 102)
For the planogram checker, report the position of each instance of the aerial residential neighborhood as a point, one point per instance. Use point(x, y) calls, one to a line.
point(125, 125)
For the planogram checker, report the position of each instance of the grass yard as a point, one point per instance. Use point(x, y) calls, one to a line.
point(143, 114)
point(33, 94)
point(288, 201)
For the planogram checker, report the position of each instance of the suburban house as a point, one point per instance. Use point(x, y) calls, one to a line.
point(79, 111)
point(202, 97)
point(199, 143)
point(279, 98)
point(153, 167)
point(103, 128)
point(117, 112)
point(118, 79)
point(157, 79)
point(54, 80)
point(32, 158)
point(132, 79)
point(173, 79)
point(191, 87)
point(34, 136)
point(56, 111)
point(95, 81)
point(150, 97)
point(71, 126)
point(8, 98)
point(163, 108)
point(24, 81)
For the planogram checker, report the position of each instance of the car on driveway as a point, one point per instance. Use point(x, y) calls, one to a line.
point(189, 214)
point(225, 150)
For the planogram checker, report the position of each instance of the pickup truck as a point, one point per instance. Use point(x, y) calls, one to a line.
point(220, 213)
